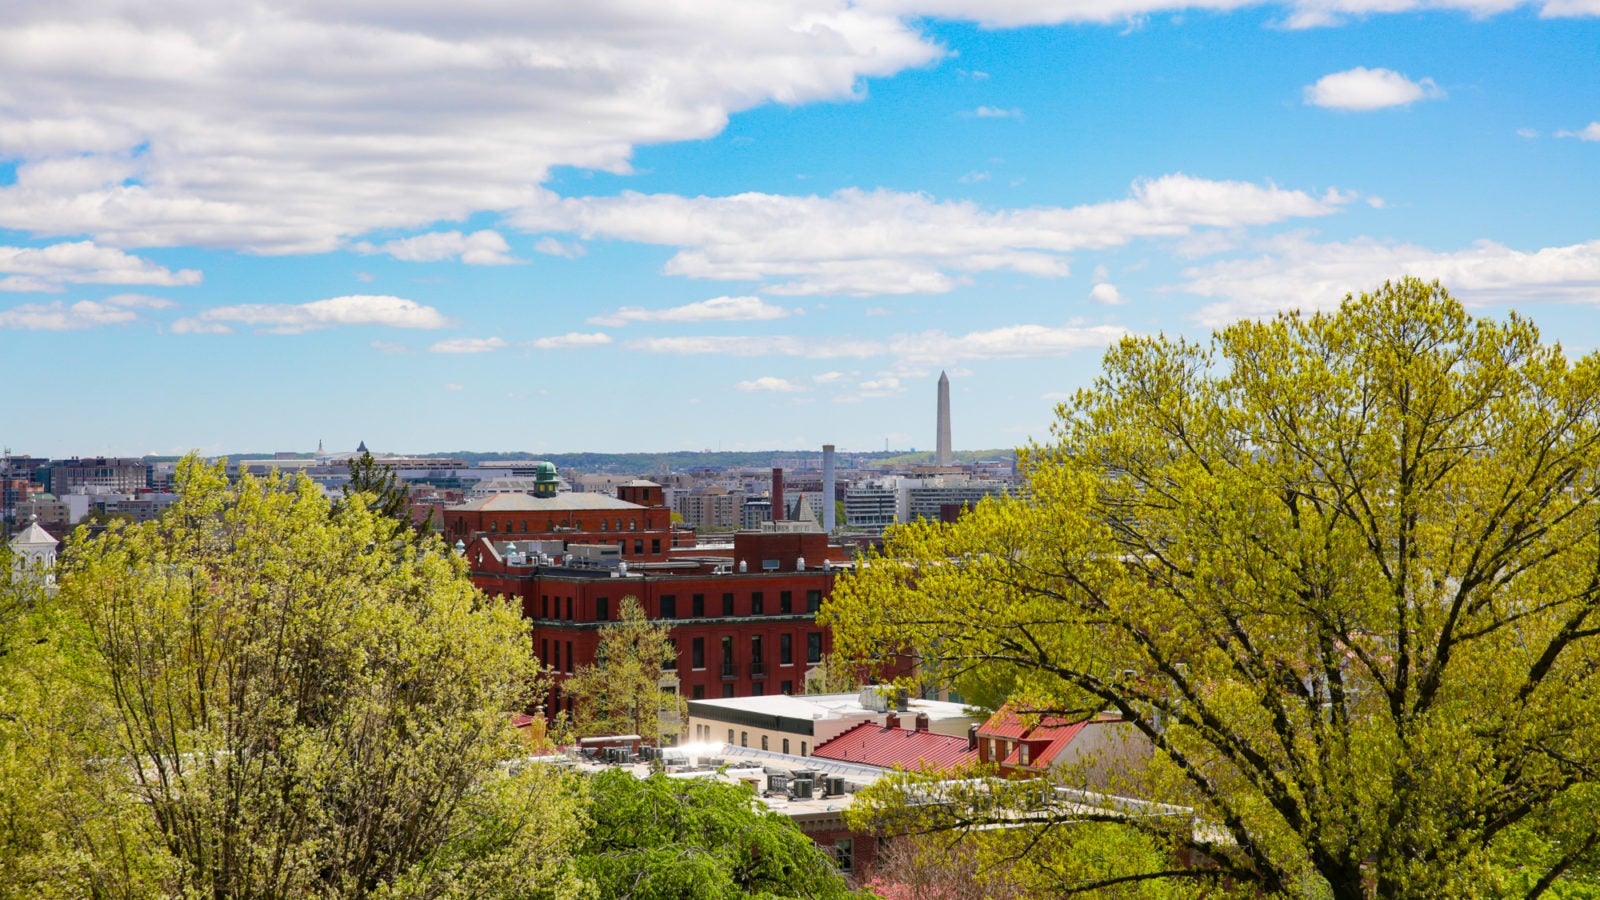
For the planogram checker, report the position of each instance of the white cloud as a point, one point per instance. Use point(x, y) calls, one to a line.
point(973, 177)
point(390, 347)
point(480, 248)
point(452, 387)
point(319, 122)
point(287, 318)
point(768, 383)
point(1527, 133)
point(1106, 294)
point(549, 246)
point(928, 347)
point(829, 377)
point(573, 339)
point(869, 243)
point(1361, 90)
point(53, 267)
point(1296, 272)
point(1299, 13)
point(120, 309)
point(717, 309)
point(1590, 133)
point(994, 112)
point(468, 345)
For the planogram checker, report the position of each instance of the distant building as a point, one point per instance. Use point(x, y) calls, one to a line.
point(90, 475)
point(711, 509)
point(871, 507)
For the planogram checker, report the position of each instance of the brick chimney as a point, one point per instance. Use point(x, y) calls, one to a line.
point(922, 721)
point(892, 720)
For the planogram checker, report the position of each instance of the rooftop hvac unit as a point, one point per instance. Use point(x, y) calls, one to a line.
point(777, 782)
point(648, 753)
point(617, 755)
point(835, 786)
point(800, 788)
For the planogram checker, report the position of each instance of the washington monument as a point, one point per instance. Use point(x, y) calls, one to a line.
point(941, 452)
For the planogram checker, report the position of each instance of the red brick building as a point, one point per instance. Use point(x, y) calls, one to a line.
point(635, 521)
point(743, 624)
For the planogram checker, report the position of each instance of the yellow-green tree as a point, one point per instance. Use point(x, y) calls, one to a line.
point(628, 689)
point(1342, 573)
point(260, 697)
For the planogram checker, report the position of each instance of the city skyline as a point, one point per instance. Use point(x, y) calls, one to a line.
point(738, 226)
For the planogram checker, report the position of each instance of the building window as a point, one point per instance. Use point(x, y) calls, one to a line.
point(785, 602)
point(569, 609)
point(544, 651)
point(814, 647)
point(494, 527)
point(557, 665)
point(699, 693)
point(763, 742)
point(602, 609)
point(802, 748)
point(544, 606)
point(670, 664)
point(638, 547)
point(813, 601)
point(698, 653)
point(669, 607)
point(1022, 750)
point(727, 604)
point(699, 605)
point(785, 745)
point(727, 691)
point(727, 656)
point(569, 657)
point(633, 524)
point(786, 651)
point(655, 545)
point(603, 524)
point(730, 735)
point(787, 688)
point(844, 854)
point(757, 603)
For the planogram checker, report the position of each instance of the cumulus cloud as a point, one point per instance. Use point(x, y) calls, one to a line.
point(870, 243)
point(769, 384)
point(1297, 272)
point(1106, 295)
point(53, 267)
point(480, 248)
point(468, 345)
point(573, 339)
point(288, 318)
point(319, 122)
point(717, 309)
point(1590, 133)
point(1361, 90)
point(119, 309)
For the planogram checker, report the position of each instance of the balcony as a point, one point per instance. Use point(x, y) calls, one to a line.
point(730, 672)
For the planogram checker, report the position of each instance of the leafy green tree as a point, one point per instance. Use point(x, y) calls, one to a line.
point(292, 705)
point(624, 691)
point(381, 490)
point(662, 838)
point(1340, 571)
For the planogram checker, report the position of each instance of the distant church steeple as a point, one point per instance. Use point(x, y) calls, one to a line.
point(362, 447)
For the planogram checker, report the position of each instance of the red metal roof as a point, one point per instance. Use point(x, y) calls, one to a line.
point(874, 745)
point(1045, 740)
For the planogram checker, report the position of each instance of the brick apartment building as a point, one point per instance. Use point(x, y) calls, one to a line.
point(744, 624)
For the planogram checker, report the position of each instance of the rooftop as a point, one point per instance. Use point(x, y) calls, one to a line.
point(875, 745)
point(558, 503)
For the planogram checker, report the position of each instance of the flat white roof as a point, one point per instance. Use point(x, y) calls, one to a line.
point(830, 706)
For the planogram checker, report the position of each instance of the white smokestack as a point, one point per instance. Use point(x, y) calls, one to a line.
point(827, 489)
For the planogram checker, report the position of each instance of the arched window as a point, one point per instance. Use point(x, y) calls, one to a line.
point(603, 524)
point(633, 524)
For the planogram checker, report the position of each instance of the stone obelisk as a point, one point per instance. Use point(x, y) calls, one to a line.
point(941, 452)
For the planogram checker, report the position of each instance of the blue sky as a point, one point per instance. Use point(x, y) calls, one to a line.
point(740, 225)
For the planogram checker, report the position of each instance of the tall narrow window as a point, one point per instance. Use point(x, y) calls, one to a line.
point(814, 647)
point(785, 649)
point(757, 603)
point(785, 602)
